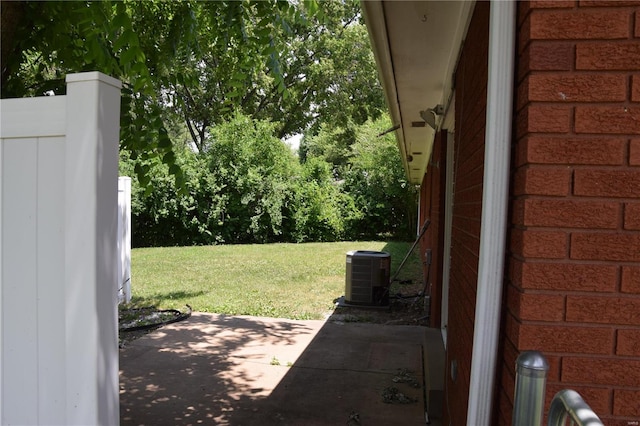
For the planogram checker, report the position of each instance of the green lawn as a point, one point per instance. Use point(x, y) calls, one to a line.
point(296, 281)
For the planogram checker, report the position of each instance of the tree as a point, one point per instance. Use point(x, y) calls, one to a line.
point(296, 66)
point(331, 143)
point(376, 181)
point(149, 46)
point(327, 69)
point(321, 210)
point(163, 214)
point(371, 174)
point(256, 171)
point(330, 74)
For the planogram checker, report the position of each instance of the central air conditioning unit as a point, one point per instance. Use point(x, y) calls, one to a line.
point(368, 278)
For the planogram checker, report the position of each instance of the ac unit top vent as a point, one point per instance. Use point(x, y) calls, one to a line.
point(368, 253)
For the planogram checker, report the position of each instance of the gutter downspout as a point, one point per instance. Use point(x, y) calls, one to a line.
point(494, 211)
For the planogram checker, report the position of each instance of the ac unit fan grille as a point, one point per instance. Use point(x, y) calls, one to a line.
point(367, 279)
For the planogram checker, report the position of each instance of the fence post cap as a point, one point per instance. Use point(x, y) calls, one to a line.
point(532, 363)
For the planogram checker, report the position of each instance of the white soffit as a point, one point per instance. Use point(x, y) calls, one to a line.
point(423, 39)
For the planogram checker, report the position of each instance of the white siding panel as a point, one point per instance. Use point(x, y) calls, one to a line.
point(51, 296)
point(19, 281)
point(33, 117)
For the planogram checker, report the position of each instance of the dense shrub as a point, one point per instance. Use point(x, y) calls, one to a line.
point(248, 187)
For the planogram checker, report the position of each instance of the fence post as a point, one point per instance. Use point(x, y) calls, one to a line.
point(91, 225)
point(124, 239)
point(531, 379)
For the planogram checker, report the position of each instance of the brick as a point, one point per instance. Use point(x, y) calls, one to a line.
point(558, 150)
point(512, 329)
point(624, 56)
point(571, 214)
point(634, 152)
point(607, 183)
point(522, 11)
point(539, 244)
point(615, 421)
point(626, 403)
point(601, 371)
point(509, 355)
point(524, 32)
point(630, 279)
point(522, 94)
point(505, 408)
point(525, 8)
point(628, 343)
point(579, 24)
point(576, 88)
point(508, 379)
point(599, 399)
point(542, 181)
point(536, 307)
point(635, 86)
point(542, 4)
point(544, 119)
point(551, 338)
point(607, 119)
point(554, 366)
point(606, 246)
point(608, 3)
point(569, 277)
point(546, 56)
point(603, 310)
point(632, 216)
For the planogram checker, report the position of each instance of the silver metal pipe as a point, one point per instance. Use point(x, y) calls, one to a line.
point(569, 404)
point(531, 380)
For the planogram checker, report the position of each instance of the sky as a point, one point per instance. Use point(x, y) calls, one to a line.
point(294, 141)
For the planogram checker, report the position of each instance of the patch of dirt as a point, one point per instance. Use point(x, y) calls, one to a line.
point(134, 322)
point(407, 306)
point(126, 337)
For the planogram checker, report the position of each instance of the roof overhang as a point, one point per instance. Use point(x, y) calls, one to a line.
point(416, 45)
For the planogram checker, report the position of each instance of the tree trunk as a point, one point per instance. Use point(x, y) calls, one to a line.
point(12, 14)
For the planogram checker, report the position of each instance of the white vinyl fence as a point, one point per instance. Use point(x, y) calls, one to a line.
point(58, 227)
point(124, 239)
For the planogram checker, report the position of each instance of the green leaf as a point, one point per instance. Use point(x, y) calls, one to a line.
point(175, 170)
point(121, 20)
point(125, 39)
point(237, 84)
point(169, 158)
point(128, 57)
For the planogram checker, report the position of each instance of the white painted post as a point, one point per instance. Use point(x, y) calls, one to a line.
point(124, 239)
point(91, 193)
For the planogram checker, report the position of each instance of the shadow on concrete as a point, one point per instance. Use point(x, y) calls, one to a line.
point(198, 370)
point(214, 369)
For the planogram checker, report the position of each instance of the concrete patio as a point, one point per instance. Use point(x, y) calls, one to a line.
point(237, 370)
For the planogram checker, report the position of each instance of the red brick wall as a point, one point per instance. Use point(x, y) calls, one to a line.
point(471, 95)
point(574, 270)
point(432, 207)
